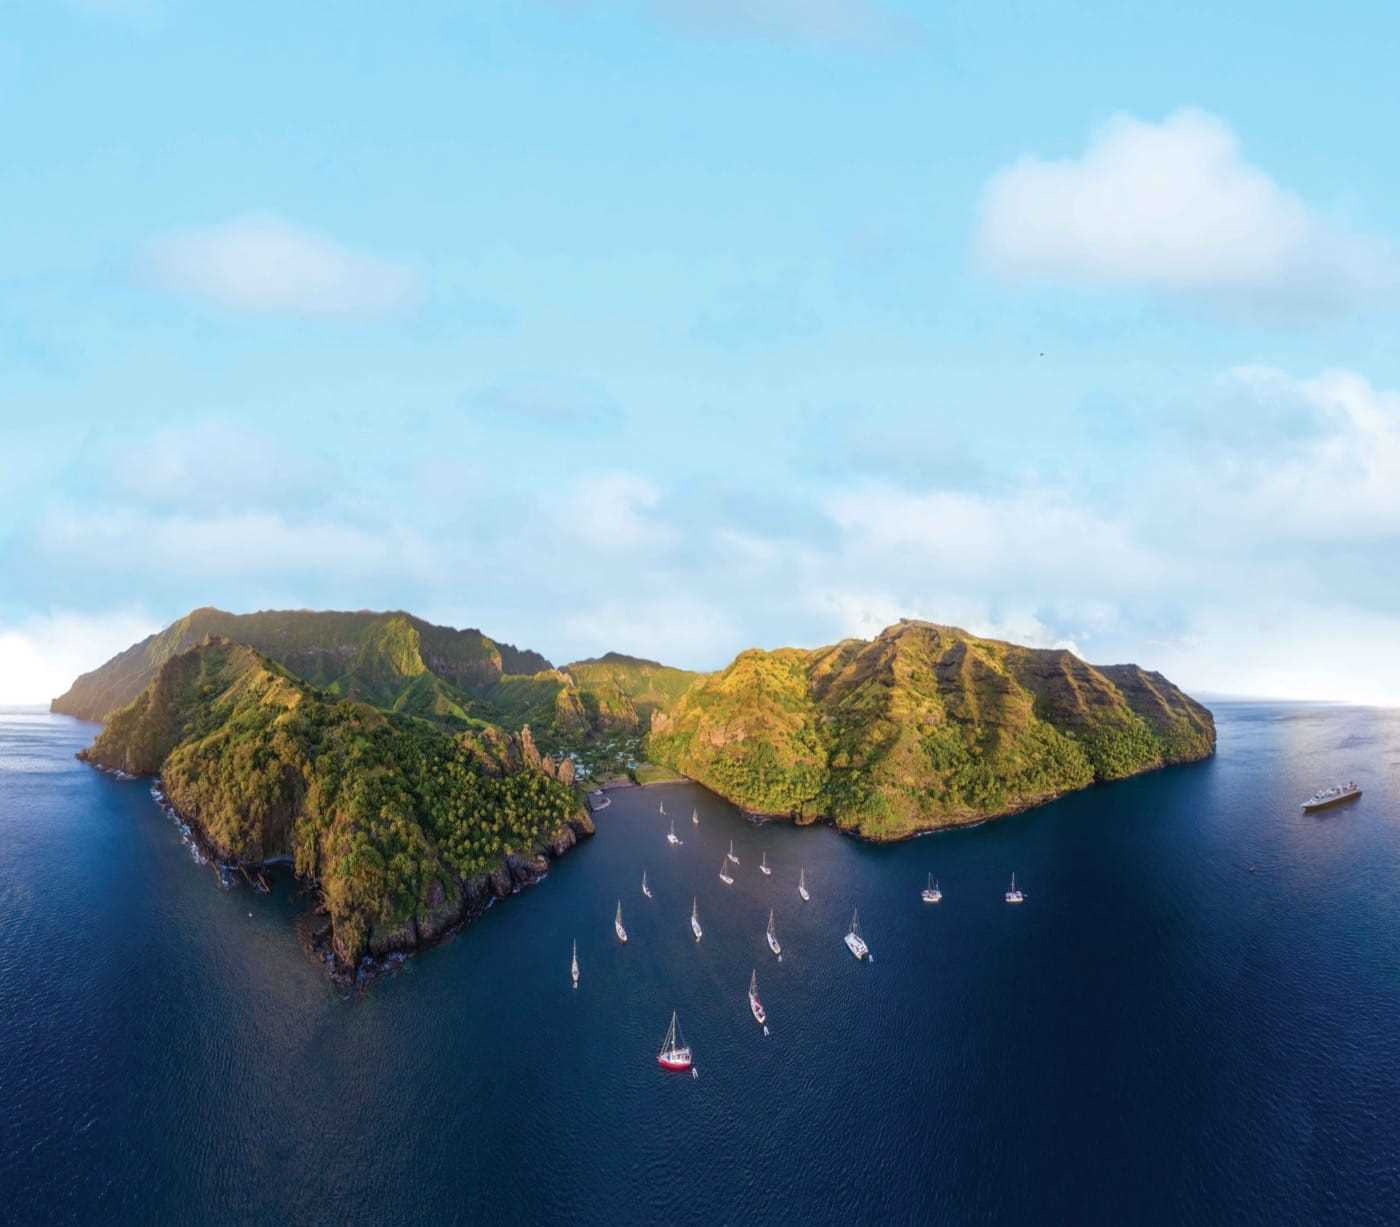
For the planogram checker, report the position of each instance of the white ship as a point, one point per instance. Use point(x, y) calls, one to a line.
point(673, 839)
point(617, 924)
point(1332, 796)
point(573, 967)
point(854, 942)
point(695, 919)
point(931, 893)
point(1014, 895)
point(773, 938)
point(724, 873)
point(763, 867)
point(760, 1015)
point(802, 885)
point(729, 856)
point(646, 890)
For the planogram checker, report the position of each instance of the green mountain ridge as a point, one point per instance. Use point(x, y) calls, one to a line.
point(924, 726)
point(403, 825)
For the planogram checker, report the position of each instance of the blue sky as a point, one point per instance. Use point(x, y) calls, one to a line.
point(680, 326)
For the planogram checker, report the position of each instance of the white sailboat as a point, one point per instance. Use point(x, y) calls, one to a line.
point(763, 867)
point(646, 890)
point(1014, 895)
point(724, 873)
point(673, 839)
point(729, 856)
point(695, 817)
point(931, 893)
point(662, 810)
point(695, 919)
point(675, 1052)
point(573, 967)
point(802, 885)
point(617, 924)
point(854, 942)
point(773, 938)
point(760, 1015)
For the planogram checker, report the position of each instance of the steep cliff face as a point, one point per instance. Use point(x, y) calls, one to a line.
point(392, 660)
point(922, 727)
point(397, 821)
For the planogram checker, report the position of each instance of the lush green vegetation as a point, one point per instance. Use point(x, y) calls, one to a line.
point(924, 726)
point(651, 773)
point(389, 813)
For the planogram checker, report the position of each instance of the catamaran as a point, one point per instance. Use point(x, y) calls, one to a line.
point(854, 942)
point(673, 838)
point(573, 967)
point(675, 1052)
point(724, 873)
point(729, 856)
point(695, 919)
point(760, 1015)
point(773, 938)
point(646, 890)
point(695, 817)
point(802, 885)
point(763, 867)
point(1014, 895)
point(931, 893)
point(617, 924)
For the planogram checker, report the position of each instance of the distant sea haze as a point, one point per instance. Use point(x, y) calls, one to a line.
point(1194, 1018)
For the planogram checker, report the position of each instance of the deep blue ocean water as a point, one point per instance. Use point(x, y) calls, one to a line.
point(1194, 1018)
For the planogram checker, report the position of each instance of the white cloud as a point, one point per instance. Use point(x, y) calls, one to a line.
point(1174, 206)
point(254, 544)
point(40, 656)
point(260, 263)
point(615, 513)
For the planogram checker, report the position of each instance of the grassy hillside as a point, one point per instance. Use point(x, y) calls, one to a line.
point(392, 660)
point(924, 726)
point(393, 817)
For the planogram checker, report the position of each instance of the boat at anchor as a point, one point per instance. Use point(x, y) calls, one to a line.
point(1014, 895)
point(763, 867)
point(931, 893)
point(855, 943)
point(673, 839)
point(773, 938)
point(675, 1052)
point(729, 856)
point(646, 890)
point(617, 924)
point(802, 886)
point(695, 919)
point(724, 873)
point(695, 817)
point(760, 1015)
point(573, 967)
point(1332, 796)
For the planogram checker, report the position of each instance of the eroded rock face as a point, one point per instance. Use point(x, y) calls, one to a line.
point(444, 909)
point(501, 882)
point(562, 840)
point(582, 824)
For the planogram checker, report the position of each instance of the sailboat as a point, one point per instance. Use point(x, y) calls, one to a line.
point(760, 1015)
point(854, 942)
point(695, 919)
point(729, 856)
point(695, 817)
point(773, 938)
point(617, 924)
point(675, 1052)
point(573, 967)
point(673, 838)
point(1014, 895)
point(763, 867)
point(646, 890)
point(724, 873)
point(931, 893)
point(662, 810)
point(802, 885)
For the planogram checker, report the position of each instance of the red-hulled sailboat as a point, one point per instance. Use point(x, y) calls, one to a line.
point(675, 1053)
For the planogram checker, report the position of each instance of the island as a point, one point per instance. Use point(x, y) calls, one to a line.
point(411, 773)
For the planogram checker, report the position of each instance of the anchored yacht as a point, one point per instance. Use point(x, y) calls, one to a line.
point(931, 893)
point(675, 1052)
point(729, 856)
point(573, 967)
point(854, 942)
point(1014, 895)
point(724, 873)
point(1332, 796)
point(760, 1015)
point(763, 867)
point(617, 924)
point(773, 938)
point(673, 839)
point(802, 886)
point(646, 890)
point(695, 919)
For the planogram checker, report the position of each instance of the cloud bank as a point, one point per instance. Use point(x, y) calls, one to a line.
point(264, 265)
point(1175, 207)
